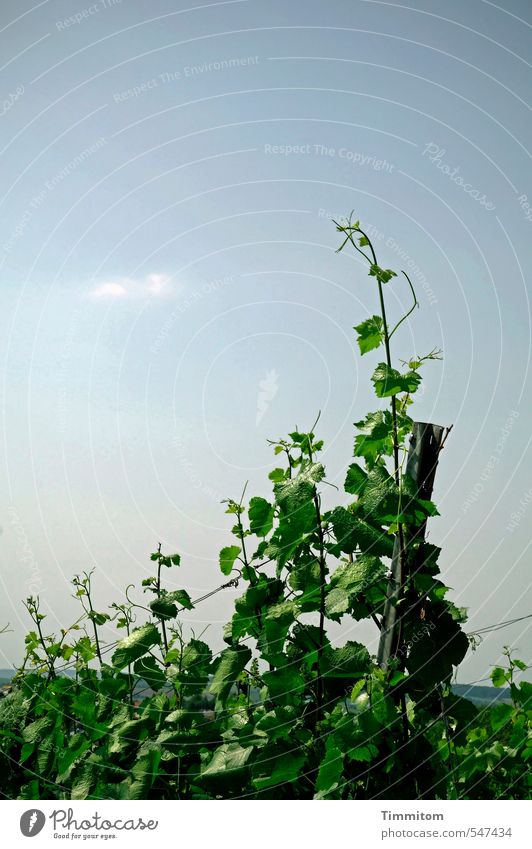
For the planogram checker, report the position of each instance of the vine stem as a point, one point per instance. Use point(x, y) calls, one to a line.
point(163, 626)
point(448, 738)
point(94, 626)
point(395, 440)
point(250, 570)
point(242, 537)
point(49, 661)
point(323, 569)
point(393, 401)
point(387, 348)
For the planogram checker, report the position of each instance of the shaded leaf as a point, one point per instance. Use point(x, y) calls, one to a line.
point(163, 608)
point(285, 684)
point(500, 715)
point(295, 493)
point(136, 645)
point(277, 621)
point(227, 758)
point(279, 723)
point(349, 661)
point(365, 752)
point(231, 663)
point(148, 669)
point(388, 381)
point(271, 771)
point(351, 533)
point(330, 772)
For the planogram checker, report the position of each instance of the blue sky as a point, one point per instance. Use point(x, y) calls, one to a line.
point(172, 297)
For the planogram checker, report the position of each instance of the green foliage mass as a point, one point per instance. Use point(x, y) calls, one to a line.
point(282, 711)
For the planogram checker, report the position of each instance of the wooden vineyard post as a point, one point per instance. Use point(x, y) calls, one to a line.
point(425, 445)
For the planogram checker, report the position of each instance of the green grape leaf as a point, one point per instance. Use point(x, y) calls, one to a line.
point(149, 670)
point(380, 501)
point(499, 676)
point(375, 437)
point(365, 752)
point(437, 644)
point(388, 381)
point(351, 533)
point(181, 597)
point(384, 275)
point(38, 729)
point(84, 783)
point(136, 645)
point(230, 664)
point(295, 498)
point(229, 757)
point(277, 475)
point(77, 747)
point(358, 575)
point(163, 608)
point(285, 684)
point(337, 602)
point(245, 618)
point(500, 715)
point(271, 771)
point(290, 534)
point(355, 479)
point(277, 621)
point(196, 655)
point(370, 334)
point(295, 494)
point(228, 556)
point(97, 618)
point(350, 583)
point(349, 661)
point(330, 771)
point(261, 515)
point(305, 578)
point(429, 558)
point(278, 724)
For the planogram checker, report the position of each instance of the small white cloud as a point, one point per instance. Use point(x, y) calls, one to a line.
point(158, 283)
point(109, 290)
